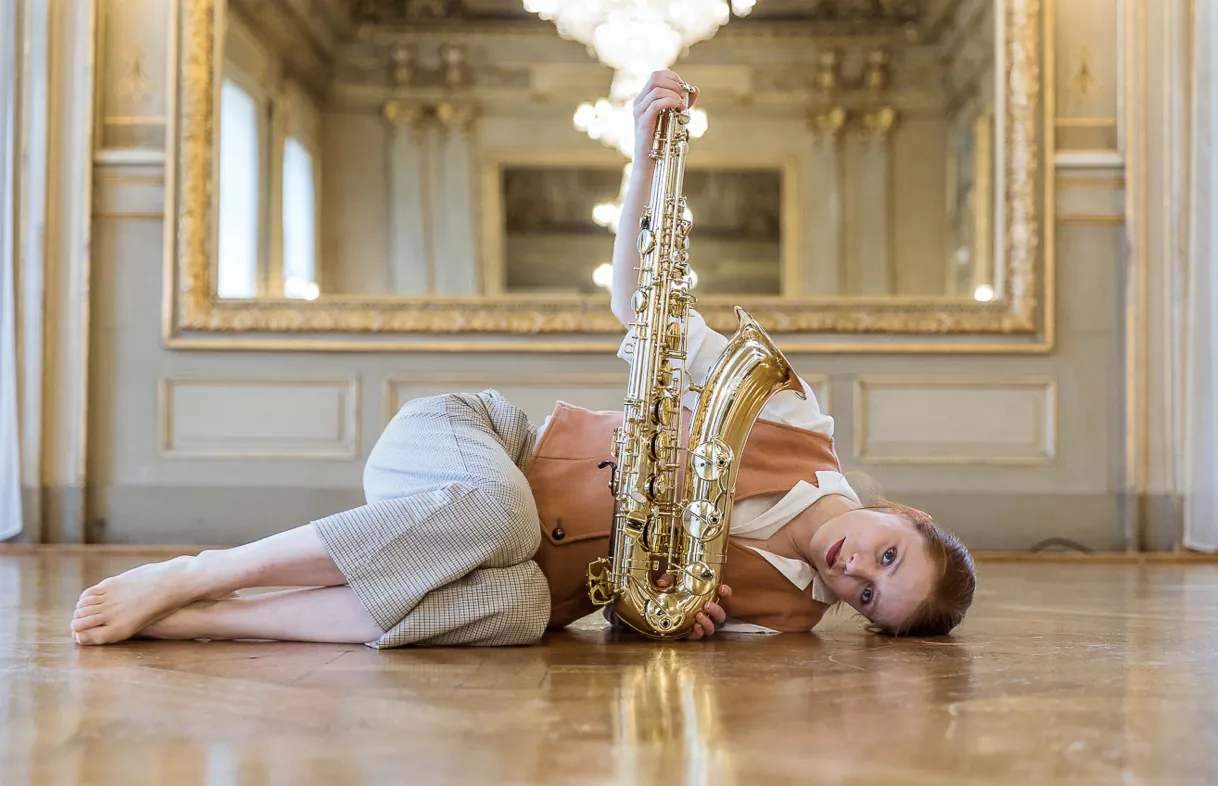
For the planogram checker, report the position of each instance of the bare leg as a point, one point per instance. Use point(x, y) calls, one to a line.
point(122, 605)
point(327, 615)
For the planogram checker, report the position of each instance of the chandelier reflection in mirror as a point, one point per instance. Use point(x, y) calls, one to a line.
point(635, 39)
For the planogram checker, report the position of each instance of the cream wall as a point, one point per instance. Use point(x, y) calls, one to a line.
point(218, 447)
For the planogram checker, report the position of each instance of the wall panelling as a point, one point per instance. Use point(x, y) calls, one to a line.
point(1034, 440)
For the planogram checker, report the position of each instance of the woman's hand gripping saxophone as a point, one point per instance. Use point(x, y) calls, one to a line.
point(664, 90)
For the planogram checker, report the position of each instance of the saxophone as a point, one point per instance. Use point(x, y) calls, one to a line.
point(667, 520)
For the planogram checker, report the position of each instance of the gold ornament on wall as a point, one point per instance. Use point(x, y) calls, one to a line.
point(876, 73)
point(456, 69)
point(406, 115)
point(1084, 80)
point(456, 116)
point(135, 85)
point(402, 68)
point(828, 123)
point(878, 123)
point(828, 74)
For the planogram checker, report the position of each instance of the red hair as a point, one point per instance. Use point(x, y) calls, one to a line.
point(952, 594)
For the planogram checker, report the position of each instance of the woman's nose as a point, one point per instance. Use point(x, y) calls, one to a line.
point(857, 566)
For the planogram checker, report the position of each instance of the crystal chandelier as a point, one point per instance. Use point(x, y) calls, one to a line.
point(634, 38)
point(638, 35)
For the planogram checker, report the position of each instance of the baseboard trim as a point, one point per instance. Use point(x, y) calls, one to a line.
point(1100, 557)
point(1004, 522)
point(986, 557)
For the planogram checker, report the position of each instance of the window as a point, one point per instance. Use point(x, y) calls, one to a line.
point(299, 222)
point(237, 269)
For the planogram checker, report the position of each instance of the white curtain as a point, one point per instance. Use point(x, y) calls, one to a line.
point(1201, 361)
point(10, 461)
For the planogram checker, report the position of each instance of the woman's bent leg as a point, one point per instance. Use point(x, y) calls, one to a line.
point(327, 615)
point(122, 605)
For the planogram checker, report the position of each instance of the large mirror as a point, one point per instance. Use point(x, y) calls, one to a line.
point(409, 167)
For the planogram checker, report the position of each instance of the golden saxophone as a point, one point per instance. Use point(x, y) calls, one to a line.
point(654, 530)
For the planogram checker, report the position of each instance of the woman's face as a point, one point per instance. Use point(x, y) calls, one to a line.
point(876, 562)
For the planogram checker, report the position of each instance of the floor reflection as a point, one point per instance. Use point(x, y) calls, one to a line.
point(668, 725)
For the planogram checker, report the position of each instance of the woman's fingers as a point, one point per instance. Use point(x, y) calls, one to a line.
point(666, 79)
point(658, 99)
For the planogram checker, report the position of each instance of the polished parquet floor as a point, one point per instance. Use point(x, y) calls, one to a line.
point(1065, 673)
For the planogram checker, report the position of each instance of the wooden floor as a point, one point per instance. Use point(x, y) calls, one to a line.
point(1065, 673)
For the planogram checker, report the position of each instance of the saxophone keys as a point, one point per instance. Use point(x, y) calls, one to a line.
point(638, 301)
point(712, 459)
point(664, 409)
point(661, 444)
point(647, 241)
point(657, 488)
point(702, 520)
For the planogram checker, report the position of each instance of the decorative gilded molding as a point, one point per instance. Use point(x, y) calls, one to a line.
point(828, 124)
point(1084, 80)
point(454, 116)
point(878, 124)
point(403, 70)
point(135, 84)
point(192, 305)
point(405, 115)
point(456, 65)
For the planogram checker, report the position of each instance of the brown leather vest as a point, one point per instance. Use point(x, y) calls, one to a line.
point(576, 510)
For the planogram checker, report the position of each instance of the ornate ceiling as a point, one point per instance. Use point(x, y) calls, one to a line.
point(833, 16)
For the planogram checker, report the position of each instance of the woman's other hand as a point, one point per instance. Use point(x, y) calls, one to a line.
point(712, 613)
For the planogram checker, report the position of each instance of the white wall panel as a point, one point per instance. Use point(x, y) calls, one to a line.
point(954, 420)
point(237, 418)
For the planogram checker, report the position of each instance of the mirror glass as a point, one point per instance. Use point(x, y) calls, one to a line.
point(556, 222)
point(332, 182)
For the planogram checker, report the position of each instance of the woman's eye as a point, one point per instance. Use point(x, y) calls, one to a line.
point(889, 556)
point(866, 598)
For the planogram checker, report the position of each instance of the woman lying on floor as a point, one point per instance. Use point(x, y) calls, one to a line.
point(479, 527)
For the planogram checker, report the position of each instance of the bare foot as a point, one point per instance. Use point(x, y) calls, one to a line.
point(117, 608)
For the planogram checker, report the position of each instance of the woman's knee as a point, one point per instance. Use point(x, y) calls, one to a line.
point(509, 514)
point(526, 612)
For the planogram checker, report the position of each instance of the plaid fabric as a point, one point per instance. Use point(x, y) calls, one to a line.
point(443, 552)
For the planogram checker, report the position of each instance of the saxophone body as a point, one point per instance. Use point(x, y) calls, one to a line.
point(672, 515)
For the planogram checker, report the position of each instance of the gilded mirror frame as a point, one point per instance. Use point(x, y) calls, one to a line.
point(1021, 319)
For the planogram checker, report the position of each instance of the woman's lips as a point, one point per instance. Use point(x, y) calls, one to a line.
point(833, 552)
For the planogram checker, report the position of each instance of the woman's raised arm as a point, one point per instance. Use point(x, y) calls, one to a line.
point(663, 91)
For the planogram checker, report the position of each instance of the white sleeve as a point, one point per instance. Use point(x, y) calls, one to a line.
point(703, 348)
